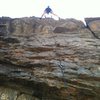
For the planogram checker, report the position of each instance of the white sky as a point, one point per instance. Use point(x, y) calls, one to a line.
point(78, 9)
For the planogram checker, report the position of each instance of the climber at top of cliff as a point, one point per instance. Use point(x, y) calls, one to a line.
point(47, 11)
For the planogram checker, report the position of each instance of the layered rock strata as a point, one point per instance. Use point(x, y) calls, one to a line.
point(48, 60)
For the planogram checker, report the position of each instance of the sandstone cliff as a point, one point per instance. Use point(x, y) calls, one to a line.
point(49, 60)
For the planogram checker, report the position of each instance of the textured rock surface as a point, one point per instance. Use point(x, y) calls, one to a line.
point(38, 64)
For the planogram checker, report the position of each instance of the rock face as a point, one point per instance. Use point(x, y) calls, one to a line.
point(38, 61)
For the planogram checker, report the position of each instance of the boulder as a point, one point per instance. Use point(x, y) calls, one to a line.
point(23, 26)
point(94, 25)
point(69, 25)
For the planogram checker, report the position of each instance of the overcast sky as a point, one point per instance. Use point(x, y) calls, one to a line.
point(77, 9)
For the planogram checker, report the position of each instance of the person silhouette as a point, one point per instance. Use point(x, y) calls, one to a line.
point(47, 11)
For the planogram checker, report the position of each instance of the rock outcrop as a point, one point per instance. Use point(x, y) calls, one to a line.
point(48, 60)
